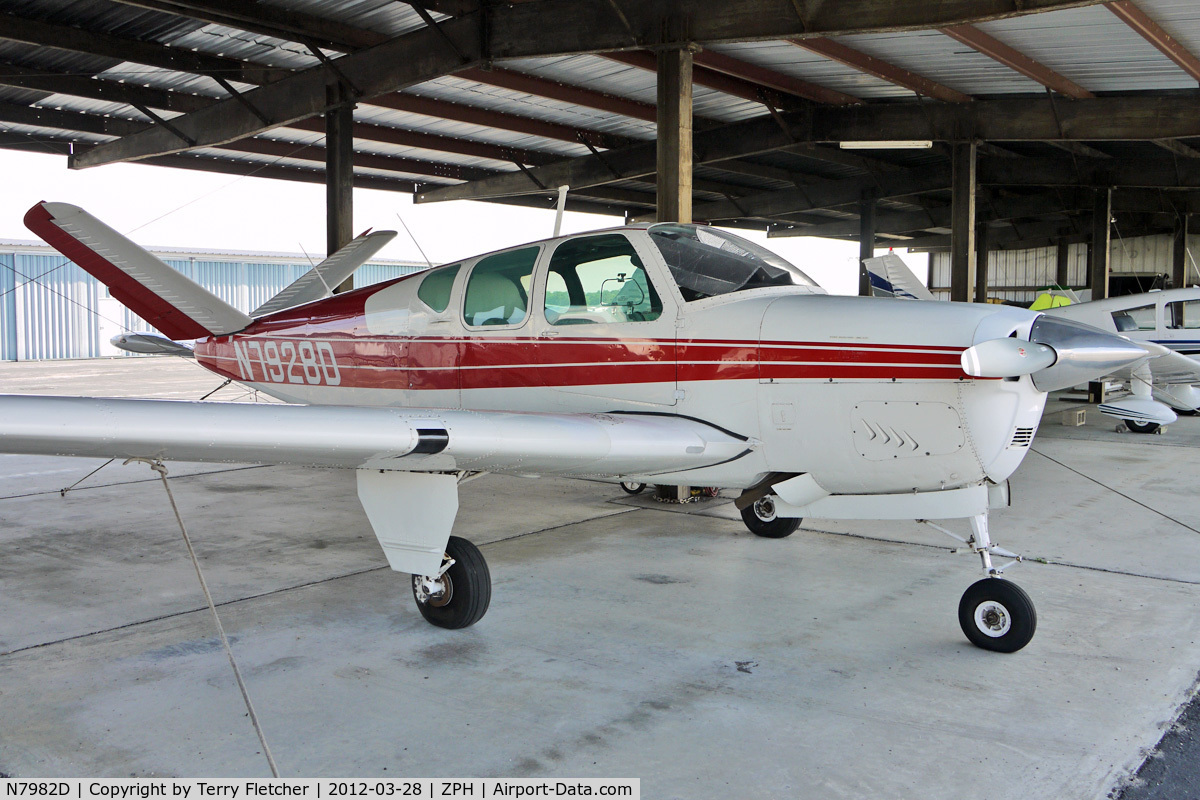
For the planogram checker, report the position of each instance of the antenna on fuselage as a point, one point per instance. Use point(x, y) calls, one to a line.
point(414, 239)
point(313, 267)
point(562, 203)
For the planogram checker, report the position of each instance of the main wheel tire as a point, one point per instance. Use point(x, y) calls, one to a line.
point(629, 487)
point(467, 589)
point(997, 615)
point(1142, 427)
point(761, 519)
point(1188, 412)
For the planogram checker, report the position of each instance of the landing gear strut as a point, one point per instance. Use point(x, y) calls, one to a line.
point(994, 613)
point(458, 596)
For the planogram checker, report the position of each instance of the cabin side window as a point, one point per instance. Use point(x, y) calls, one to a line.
point(436, 286)
point(1142, 316)
point(1183, 315)
point(498, 288)
point(599, 279)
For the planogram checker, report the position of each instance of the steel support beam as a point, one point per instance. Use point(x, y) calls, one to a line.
point(80, 40)
point(674, 152)
point(1101, 245)
point(515, 31)
point(770, 79)
point(1024, 119)
point(1152, 32)
point(962, 230)
point(339, 175)
point(408, 59)
point(866, 239)
point(881, 69)
point(1016, 60)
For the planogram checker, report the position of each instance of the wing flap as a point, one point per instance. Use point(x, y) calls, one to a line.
point(357, 437)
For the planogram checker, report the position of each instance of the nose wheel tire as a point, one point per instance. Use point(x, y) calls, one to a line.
point(1142, 427)
point(458, 598)
point(997, 615)
point(629, 487)
point(762, 520)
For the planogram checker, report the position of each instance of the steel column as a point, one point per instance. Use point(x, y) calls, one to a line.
point(1179, 268)
point(1098, 264)
point(339, 176)
point(981, 262)
point(674, 160)
point(866, 239)
point(1062, 273)
point(962, 222)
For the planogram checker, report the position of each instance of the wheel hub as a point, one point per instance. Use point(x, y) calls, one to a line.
point(433, 591)
point(764, 509)
point(992, 619)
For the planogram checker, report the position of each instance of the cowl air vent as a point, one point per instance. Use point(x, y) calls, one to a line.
point(1021, 438)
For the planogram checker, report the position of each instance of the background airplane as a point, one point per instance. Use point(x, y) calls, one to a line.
point(1167, 323)
point(664, 353)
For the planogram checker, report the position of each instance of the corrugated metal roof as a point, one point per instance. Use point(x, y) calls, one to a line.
point(468, 92)
point(1101, 53)
point(799, 63)
point(1090, 46)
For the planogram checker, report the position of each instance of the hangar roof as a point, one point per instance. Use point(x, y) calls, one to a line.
point(499, 100)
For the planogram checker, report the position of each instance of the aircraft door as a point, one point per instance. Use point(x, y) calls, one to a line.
point(605, 334)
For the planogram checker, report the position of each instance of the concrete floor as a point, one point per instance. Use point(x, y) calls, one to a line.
point(625, 639)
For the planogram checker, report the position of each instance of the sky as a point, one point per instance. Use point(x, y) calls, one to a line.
point(164, 207)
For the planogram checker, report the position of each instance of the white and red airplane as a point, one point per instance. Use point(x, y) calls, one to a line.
point(665, 353)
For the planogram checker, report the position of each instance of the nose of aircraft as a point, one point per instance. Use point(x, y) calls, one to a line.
point(1083, 353)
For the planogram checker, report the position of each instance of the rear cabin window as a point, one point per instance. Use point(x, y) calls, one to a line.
point(705, 262)
point(599, 279)
point(498, 288)
point(1183, 315)
point(435, 287)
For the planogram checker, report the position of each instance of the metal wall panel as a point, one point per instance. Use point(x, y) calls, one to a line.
point(50, 308)
point(53, 308)
point(370, 274)
point(8, 309)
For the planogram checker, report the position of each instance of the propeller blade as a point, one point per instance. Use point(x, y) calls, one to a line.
point(1084, 353)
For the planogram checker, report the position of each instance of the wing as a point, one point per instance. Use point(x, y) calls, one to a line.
point(405, 458)
point(1173, 368)
point(319, 281)
point(353, 437)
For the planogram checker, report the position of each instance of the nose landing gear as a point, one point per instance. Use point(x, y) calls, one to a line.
point(994, 613)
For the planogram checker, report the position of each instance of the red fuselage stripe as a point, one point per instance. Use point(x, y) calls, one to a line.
point(485, 363)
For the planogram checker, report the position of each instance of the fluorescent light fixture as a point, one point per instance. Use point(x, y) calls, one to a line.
point(906, 144)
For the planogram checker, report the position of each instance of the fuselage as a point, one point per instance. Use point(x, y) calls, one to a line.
point(867, 395)
point(1170, 318)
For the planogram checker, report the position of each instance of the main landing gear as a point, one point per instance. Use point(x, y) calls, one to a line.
point(458, 596)
point(761, 519)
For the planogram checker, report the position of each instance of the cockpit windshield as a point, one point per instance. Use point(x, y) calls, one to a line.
point(706, 262)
